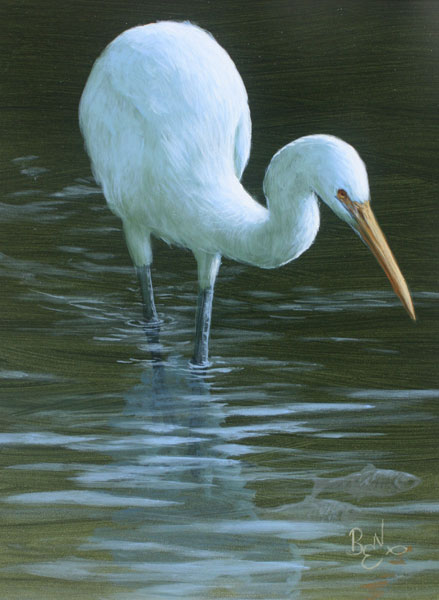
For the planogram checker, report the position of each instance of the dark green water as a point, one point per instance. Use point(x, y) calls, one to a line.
point(121, 480)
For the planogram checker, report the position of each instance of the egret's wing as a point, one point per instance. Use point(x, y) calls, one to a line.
point(242, 142)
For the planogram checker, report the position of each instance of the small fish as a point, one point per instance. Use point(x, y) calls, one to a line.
point(370, 481)
point(316, 509)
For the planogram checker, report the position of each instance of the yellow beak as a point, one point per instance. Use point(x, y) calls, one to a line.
point(370, 232)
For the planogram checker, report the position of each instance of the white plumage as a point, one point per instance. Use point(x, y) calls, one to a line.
point(166, 122)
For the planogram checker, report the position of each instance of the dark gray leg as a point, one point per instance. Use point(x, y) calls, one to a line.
point(152, 325)
point(202, 327)
point(149, 310)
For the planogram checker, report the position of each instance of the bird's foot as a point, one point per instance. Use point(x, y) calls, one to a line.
point(199, 365)
point(152, 322)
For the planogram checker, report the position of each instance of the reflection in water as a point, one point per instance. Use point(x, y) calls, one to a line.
point(209, 542)
point(243, 482)
point(190, 529)
point(187, 524)
point(204, 488)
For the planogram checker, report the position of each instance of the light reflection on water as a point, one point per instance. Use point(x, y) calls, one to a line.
point(207, 490)
point(182, 477)
point(126, 478)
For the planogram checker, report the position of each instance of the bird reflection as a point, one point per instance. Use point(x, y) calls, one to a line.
point(206, 536)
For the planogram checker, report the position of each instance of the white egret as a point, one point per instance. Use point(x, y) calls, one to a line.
point(166, 122)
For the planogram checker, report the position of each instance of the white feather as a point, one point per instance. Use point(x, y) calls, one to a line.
point(166, 122)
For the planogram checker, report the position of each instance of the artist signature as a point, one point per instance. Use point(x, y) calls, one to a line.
point(373, 554)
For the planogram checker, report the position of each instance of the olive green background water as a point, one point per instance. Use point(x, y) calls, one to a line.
point(121, 479)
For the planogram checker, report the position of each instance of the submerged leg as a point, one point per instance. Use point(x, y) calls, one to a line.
point(202, 327)
point(138, 241)
point(152, 322)
point(208, 265)
point(139, 245)
point(149, 310)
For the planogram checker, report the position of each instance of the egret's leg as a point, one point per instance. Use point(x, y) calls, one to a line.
point(145, 281)
point(152, 322)
point(202, 327)
point(208, 265)
point(138, 241)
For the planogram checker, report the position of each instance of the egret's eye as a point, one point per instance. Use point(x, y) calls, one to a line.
point(342, 195)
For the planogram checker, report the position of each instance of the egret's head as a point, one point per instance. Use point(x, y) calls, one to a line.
point(338, 176)
point(336, 173)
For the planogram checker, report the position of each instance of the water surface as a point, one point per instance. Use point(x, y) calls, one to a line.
point(123, 478)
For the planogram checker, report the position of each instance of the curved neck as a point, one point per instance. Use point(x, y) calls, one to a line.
point(272, 236)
